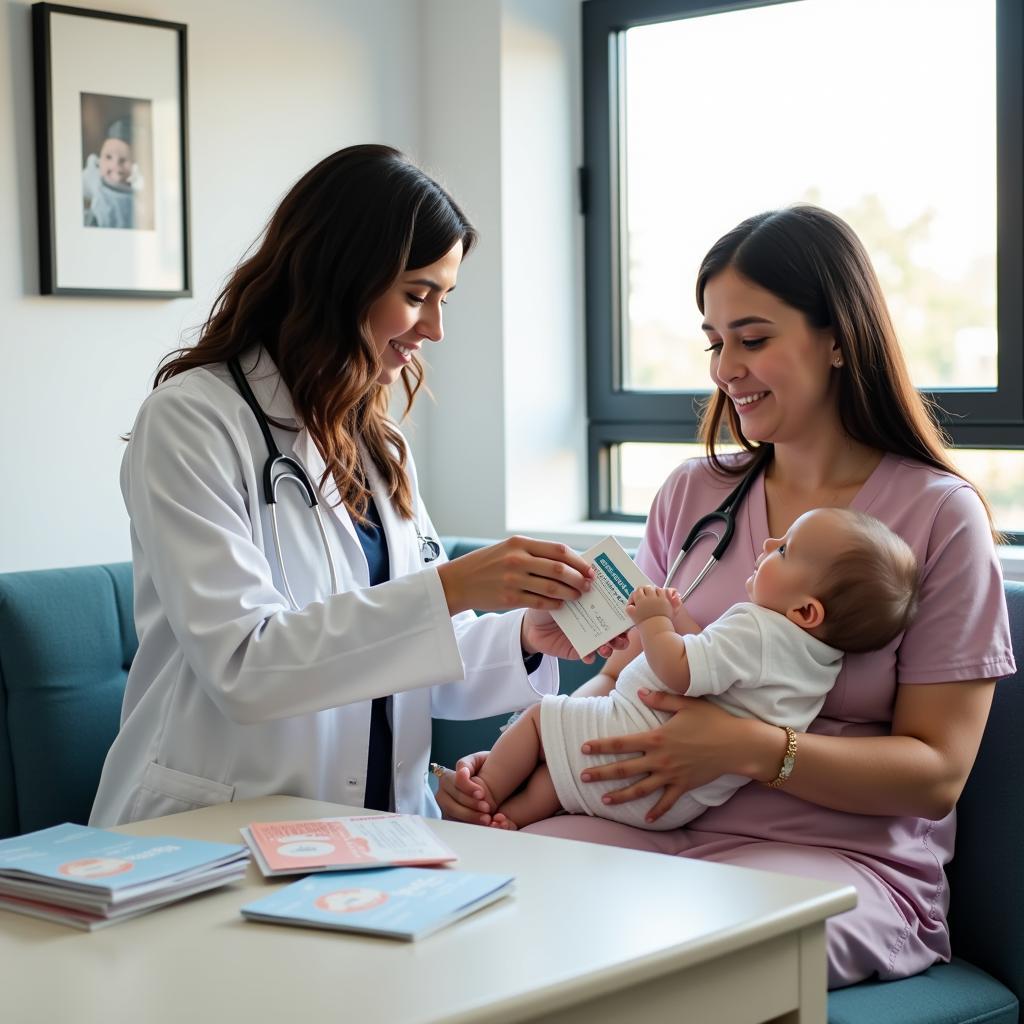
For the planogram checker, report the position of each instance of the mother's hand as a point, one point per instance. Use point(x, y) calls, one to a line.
point(697, 745)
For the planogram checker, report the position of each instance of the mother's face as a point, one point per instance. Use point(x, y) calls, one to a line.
point(768, 360)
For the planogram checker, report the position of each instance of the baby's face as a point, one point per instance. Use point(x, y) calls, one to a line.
point(790, 568)
point(115, 161)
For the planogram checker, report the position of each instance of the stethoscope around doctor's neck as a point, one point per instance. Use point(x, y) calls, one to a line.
point(280, 467)
point(725, 514)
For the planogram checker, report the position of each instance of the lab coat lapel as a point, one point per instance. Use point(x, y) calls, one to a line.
point(269, 389)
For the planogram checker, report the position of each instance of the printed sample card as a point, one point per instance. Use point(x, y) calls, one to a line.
point(600, 614)
point(339, 844)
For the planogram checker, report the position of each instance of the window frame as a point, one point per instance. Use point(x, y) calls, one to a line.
point(973, 418)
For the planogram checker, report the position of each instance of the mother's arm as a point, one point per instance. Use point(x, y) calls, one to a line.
point(919, 770)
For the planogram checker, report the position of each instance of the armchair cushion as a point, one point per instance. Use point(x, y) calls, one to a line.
point(67, 638)
point(953, 993)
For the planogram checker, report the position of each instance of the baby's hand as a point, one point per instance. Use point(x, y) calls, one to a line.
point(646, 602)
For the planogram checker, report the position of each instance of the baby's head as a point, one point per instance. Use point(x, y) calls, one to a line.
point(842, 575)
point(116, 154)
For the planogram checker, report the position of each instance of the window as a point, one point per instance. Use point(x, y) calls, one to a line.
point(902, 116)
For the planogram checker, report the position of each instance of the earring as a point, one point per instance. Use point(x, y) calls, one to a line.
point(838, 361)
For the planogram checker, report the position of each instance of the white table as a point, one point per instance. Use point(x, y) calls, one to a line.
point(593, 934)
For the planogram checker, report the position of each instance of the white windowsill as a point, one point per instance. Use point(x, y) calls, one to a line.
point(1011, 557)
point(587, 532)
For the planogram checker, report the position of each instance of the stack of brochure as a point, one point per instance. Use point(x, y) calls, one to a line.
point(344, 844)
point(88, 877)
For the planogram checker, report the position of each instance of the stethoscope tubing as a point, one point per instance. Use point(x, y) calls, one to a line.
point(293, 471)
point(726, 514)
point(290, 470)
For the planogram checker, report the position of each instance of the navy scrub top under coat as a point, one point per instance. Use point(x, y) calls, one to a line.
point(378, 763)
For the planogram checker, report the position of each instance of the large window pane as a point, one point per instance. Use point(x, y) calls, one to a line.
point(880, 110)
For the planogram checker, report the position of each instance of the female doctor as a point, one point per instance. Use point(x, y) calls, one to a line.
point(298, 649)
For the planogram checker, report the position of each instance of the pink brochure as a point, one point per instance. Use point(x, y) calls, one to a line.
point(339, 844)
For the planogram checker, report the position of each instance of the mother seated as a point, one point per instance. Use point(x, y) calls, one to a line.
point(810, 381)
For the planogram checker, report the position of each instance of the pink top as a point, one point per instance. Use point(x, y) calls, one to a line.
point(961, 632)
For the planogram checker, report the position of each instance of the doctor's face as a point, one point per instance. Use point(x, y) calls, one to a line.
point(769, 361)
point(409, 313)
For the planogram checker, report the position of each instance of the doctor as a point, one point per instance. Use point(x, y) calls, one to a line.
point(308, 656)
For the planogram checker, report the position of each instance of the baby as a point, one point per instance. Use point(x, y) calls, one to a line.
point(107, 180)
point(839, 581)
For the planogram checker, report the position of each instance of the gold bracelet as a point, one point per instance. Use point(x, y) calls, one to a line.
point(788, 760)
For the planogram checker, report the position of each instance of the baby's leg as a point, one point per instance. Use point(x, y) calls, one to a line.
point(513, 758)
point(535, 802)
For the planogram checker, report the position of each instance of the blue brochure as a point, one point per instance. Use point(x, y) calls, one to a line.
point(93, 866)
point(400, 903)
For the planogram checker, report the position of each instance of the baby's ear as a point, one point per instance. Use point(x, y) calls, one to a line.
point(808, 615)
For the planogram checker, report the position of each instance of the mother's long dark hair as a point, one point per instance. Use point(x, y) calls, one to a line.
point(340, 239)
point(812, 260)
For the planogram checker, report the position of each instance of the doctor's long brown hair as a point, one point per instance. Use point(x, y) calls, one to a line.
point(340, 238)
point(813, 261)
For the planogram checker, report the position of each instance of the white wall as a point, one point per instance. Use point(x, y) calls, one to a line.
point(272, 87)
point(459, 442)
point(542, 246)
point(504, 448)
point(484, 93)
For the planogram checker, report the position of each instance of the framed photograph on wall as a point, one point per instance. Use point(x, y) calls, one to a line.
point(111, 154)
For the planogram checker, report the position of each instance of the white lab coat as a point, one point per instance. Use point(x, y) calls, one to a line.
point(232, 693)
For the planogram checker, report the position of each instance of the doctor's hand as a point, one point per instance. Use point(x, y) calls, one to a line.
point(697, 745)
point(516, 573)
point(541, 634)
point(459, 797)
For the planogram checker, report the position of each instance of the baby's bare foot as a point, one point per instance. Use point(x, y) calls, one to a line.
point(503, 821)
point(492, 804)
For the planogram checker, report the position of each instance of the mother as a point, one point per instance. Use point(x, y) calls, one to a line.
point(810, 381)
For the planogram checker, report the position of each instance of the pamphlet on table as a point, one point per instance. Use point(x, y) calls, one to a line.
point(342, 844)
point(600, 614)
point(397, 903)
point(90, 877)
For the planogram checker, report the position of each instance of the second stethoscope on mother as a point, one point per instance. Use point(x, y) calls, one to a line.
point(280, 467)
point(724, 514)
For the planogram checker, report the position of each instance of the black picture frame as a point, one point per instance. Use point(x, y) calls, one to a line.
point(111, 115)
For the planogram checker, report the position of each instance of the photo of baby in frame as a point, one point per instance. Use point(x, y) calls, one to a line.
point(117, 162)
point(112, 179)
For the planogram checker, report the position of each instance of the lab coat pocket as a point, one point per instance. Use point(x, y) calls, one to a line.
point(168, 791)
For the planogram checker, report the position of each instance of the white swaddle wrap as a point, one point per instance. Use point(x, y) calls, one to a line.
point(753, 662)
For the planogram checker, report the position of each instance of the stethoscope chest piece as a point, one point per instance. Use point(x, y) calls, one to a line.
point(430, 550)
